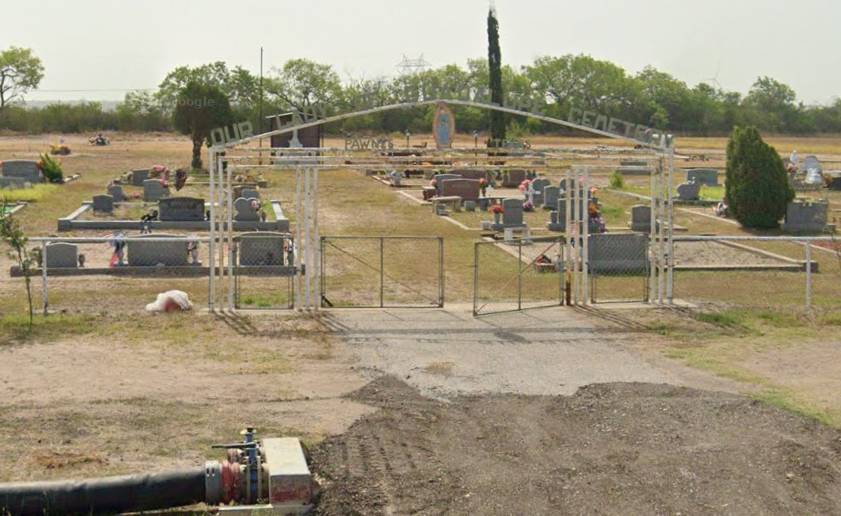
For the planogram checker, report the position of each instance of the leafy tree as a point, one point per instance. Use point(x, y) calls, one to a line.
point(757, 189)
point(771, 105)
point(20, 71)
point(583, 82)
point(305, 85)
point(12, 234)
point(199, 109)
point(239, 85)
point(495, 78)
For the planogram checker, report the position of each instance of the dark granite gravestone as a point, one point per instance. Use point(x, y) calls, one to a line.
point(467, 189)
point(181, 209)
point(62, 255)
point(116, 191)
point(806, 216)
point(170, 252)
point(261, 249)
point(551, 195)
point(439, 182)
point(154, 190)
point(538, 185)
point(26, 170)
point(103, 203)
point(245, 210)
point(512, 212)
point(512, 178)
point(138, 176)
point(690, 191)
point(641, 218)
point(703, 176)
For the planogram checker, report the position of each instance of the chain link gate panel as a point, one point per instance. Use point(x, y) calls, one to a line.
point(382, 272)
point(518, 275)
point(264, 271)
point(619, 265)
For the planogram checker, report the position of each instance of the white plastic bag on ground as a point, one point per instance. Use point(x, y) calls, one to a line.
point(171, 301)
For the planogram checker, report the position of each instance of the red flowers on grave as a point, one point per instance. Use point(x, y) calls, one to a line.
point(497, 208)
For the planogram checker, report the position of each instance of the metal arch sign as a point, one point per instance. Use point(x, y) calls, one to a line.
point(586, 121)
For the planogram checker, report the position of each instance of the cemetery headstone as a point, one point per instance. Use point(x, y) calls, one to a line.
point(172, 251)
point(806, 216)
point(439, 182)
point(116, 191)
point(261, 249)
point(245, 210)
point(62, 255)
point(703, 176)
point(558, 217)
point(103, 203)
point(641, 218)
point(539, 185)
point(690, 191)
point(181, 209)
point(250, 193)
point(512, 178)
point(467, 189)
point(470, 206)
point(154, 190)
point(25, 170)
point(512, 213)
point(139, 176)
point(551, 195)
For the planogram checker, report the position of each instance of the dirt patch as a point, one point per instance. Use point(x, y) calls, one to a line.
point(609, 449)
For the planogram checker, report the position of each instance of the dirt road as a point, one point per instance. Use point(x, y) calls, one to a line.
point(609, 449)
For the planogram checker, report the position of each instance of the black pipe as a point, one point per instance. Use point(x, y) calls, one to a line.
point(104, 495)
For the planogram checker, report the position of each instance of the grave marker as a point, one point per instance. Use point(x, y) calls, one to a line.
point(62, 255)
point(103, 203)
point(181, 209)
point(154, 190)
point(25, 170)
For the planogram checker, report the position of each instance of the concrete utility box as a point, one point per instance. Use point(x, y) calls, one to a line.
point(290, 480)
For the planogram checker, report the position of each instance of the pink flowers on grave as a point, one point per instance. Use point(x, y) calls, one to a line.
point(525, 185)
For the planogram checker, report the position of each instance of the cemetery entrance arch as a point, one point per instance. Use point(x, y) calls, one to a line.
point(230, 160)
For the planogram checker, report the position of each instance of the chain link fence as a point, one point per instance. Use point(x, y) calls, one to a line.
point(779, 273)
point(518, 275)
point(116, 274)
point(382, 272)
point(264, 271)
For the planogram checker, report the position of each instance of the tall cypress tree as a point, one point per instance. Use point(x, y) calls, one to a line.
point(495, 71)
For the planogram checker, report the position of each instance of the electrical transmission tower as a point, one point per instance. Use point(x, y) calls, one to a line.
point(412, 66)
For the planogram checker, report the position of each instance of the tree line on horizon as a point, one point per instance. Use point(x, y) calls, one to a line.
point(553, 85)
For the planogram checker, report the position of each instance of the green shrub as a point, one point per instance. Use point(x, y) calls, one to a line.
point(51, 169)
point(617, 181)
point(757, 188)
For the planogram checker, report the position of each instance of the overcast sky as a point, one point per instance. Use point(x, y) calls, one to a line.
point(118, 45)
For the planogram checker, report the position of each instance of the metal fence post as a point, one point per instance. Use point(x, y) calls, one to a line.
point(520, 274)
point(476, 278)
point(45, 286)
point(441, 277)
point(808, 275)
point(382, 272)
